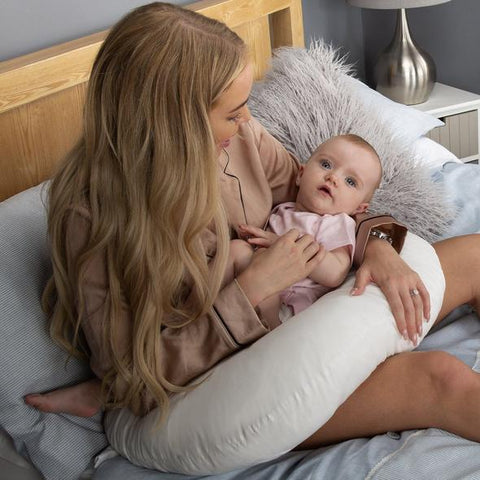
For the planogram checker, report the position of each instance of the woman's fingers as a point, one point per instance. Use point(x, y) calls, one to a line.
point(362, 279)
point(305, 241)
point(416, 302)
point(421, 302)
point(313, 252)
point(292, 235)
point(407, 303)
point(279, 266)
point(425, 296)
point(287, 260)
point(408, 307)
point(395, 301)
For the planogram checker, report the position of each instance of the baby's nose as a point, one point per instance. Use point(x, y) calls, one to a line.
point(331, 177)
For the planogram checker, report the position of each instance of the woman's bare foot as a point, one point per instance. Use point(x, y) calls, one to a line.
point(82, 400)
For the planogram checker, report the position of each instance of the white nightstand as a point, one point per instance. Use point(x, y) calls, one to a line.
point(460, 110)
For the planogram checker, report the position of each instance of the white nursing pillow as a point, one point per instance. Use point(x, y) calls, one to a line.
point(265, 400)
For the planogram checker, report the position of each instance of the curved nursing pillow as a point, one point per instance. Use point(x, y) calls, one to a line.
point(265, 400)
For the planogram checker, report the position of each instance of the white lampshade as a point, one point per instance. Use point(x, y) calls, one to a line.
point(394, 4)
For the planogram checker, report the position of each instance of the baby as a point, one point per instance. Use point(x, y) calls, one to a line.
point(337, 182)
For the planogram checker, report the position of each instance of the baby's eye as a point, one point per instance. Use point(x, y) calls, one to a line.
point(351, 182)
point(325, 164)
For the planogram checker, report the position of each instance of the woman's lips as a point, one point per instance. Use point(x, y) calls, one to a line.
point(225, 143)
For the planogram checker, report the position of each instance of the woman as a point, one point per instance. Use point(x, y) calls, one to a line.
point(140, 218)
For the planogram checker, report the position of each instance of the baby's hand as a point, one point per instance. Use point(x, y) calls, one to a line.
point(256, 236)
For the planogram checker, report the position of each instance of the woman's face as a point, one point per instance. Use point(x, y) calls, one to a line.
point(230, 110)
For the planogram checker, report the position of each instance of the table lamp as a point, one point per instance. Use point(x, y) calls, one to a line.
point(404, 72)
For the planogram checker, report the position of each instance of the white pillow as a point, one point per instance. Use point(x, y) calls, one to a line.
point(404, 121)
point(432, 154)
point(407, 122)
point(263, 401)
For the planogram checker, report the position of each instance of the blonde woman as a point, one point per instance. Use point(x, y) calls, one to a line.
point(141, 214)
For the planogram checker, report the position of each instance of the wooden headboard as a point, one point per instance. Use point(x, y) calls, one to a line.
point(42, 93)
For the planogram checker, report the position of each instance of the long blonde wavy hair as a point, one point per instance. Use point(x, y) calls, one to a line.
point(146, 168)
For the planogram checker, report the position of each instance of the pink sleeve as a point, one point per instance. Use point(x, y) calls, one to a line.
point(337, 231)
point(332, 231)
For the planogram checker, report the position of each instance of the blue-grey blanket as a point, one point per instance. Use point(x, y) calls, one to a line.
point(462, 186)
point(416, 454)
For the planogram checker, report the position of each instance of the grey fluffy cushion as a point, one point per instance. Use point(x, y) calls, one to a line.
point(60, 446)
point(309, 96)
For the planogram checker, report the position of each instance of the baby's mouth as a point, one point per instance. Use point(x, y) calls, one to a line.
point(325, 189)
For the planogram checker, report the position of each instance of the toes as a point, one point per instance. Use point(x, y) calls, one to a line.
point(36, 401)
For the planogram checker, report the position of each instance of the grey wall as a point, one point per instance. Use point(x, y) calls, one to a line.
point(450, 33)
point(29, 25)
point(338, 24)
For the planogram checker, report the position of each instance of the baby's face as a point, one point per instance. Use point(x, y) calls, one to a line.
point(340, 177)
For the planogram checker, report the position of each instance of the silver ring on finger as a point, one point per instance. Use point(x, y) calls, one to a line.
point(414, 292)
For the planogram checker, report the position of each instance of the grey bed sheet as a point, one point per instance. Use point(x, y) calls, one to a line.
point(416, 454)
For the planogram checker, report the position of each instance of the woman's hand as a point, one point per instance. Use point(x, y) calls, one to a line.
point(289, 259)
point(256, 236)
point(405, 292)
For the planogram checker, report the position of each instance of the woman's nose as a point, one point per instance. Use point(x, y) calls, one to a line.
point(246, 115)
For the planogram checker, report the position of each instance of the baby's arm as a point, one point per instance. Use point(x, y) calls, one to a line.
point(334, 267)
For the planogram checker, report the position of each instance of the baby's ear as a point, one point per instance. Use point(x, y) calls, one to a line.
point(299, 175)
point(362, 208)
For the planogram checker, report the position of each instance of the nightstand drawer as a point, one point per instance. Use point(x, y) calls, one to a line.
point(459, 135)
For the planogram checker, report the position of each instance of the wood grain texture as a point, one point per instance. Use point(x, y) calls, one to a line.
point(287, 26)
point(256, 34)
point(36, 136)
point(43, 73)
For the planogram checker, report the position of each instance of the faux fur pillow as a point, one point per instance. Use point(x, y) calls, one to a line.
point(309, 96)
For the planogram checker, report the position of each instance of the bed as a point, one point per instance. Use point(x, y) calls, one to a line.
point(40, 118)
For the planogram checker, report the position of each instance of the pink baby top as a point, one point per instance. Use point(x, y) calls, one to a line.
point(332, 231)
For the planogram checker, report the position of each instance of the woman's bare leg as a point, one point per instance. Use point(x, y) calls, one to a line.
point(419, 389)
point(460, 259)
point(408, 391)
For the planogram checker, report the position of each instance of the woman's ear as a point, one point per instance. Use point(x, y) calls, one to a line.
point(299, 175)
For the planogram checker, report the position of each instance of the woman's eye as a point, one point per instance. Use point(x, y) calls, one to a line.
point(351, 182)
point(235, 118)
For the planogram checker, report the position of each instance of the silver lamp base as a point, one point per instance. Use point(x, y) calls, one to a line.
point(404, 72)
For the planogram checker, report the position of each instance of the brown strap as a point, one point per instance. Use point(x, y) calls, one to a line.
point(396, 230)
